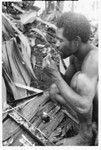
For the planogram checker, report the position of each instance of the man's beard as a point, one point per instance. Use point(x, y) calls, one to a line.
point(64, 52)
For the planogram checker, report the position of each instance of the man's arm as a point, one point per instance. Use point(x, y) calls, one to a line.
point(86, 81)
point(70, 71)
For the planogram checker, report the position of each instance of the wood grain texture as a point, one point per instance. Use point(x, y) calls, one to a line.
point(54, 130)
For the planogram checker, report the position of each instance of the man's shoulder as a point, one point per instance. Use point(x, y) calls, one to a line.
point(92, 56)
point(94, 52)
point(90, 64)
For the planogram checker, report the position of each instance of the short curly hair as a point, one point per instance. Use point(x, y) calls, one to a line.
point(74, 25)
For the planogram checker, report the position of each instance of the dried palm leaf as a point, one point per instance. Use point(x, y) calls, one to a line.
point(25, 54)
point(25, 47)
point(7, 30)
point(4, 95)
point(28, 17)
point(43, 35)
point(17, 72)
point(10, 25)
point(7, 25)
point(18, 8)
point(17, 93)
point(5, 34)
point(46, 23)
point(19, 65)
point(5, 58)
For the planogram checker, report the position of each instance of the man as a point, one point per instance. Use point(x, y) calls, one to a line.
point(80, 85)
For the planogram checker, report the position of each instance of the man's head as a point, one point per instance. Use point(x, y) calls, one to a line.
point(73, 28)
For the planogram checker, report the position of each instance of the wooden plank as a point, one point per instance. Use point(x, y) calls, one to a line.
point(38, 117)
point(33, 107)
point(51, 114)
point(15, 134)
point(19, 138)
point(33, 112)
point(45, 108)
point(50, 111)
point(9, 127)
point(53, 123)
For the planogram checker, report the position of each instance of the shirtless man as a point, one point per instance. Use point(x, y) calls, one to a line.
point(80, 85)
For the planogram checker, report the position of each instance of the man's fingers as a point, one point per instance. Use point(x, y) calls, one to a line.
point(57, 98)
point(60, 99)
point(54, 89)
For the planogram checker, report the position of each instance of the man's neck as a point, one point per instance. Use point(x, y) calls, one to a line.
point(83, 50)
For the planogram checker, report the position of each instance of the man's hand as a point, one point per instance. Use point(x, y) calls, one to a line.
point(65, 142)
point(50, 66)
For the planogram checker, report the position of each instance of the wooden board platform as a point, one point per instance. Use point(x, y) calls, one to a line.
point(59, 126)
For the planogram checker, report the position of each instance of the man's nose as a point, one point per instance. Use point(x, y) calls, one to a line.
point(58, 44)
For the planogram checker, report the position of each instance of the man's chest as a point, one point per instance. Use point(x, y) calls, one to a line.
point(78, 81)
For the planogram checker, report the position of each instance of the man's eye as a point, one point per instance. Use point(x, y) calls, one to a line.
point(61, 40)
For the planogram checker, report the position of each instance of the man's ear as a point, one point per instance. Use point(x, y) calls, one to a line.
point(77, 41)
